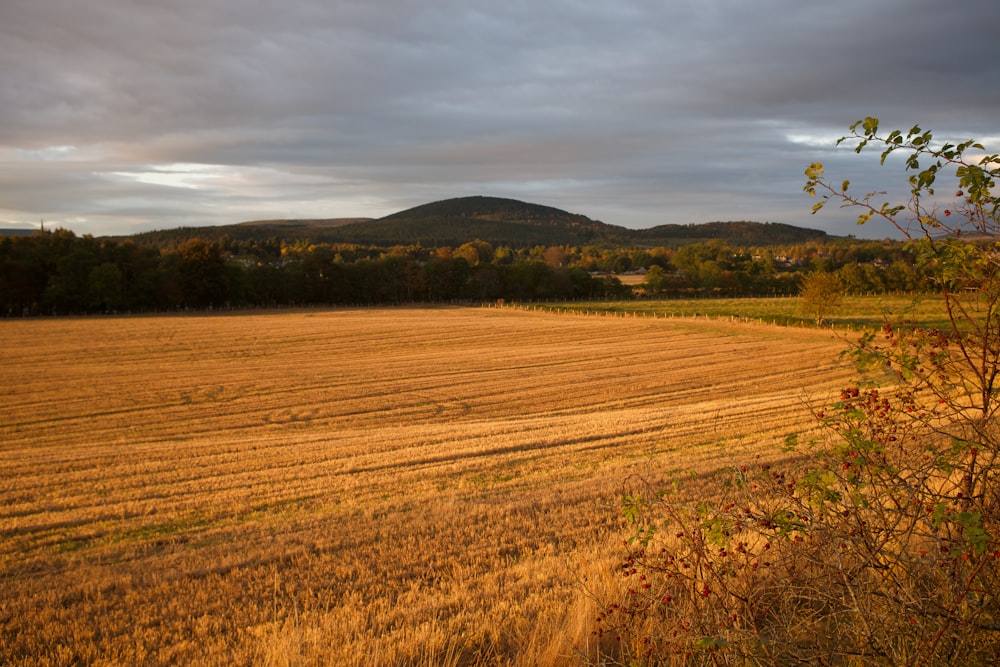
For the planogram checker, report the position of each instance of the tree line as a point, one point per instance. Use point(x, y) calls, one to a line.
point(59, 273)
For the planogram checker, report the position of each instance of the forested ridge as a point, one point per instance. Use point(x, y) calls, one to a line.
point(496, 220)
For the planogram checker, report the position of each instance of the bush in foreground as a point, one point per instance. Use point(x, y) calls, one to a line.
point(876, 543)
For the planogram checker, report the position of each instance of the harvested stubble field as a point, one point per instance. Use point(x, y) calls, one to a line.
point(396, 486)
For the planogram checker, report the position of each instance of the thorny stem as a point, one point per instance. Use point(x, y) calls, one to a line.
point(949, 617)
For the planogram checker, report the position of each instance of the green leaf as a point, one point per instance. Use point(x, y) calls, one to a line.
point(717, 530)
point(643, 536)
point(972, 527)
point(632, 507)
point(939, 515)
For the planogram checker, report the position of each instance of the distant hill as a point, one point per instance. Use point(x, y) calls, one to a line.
point(326, 222)
point(12, 231)
point(499, 221)
point(496, 220)
point(317, 231)
point(742, 233)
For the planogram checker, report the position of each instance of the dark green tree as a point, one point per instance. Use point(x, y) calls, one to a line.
point(204, 280)
point(105, 287)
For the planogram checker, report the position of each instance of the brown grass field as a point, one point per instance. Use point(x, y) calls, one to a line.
point(357, 487)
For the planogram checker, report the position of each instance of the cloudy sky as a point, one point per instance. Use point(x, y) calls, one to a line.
point(119, 116)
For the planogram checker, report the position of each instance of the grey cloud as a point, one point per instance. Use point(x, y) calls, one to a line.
point(636, 112)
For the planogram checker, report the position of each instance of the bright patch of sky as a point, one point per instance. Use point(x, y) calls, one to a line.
point(194, 176)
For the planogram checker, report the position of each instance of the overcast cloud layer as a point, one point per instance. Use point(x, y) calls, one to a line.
point(120, 116)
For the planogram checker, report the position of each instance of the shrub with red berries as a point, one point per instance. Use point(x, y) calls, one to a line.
point(878, 543)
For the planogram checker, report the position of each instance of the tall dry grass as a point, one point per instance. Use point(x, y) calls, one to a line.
point(387, 487)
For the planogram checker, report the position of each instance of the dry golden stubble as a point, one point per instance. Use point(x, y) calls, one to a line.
point(313, 487)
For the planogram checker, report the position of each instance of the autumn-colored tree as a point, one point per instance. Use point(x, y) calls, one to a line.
point(820, 295)
point(555, 256)
point(475, 252)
